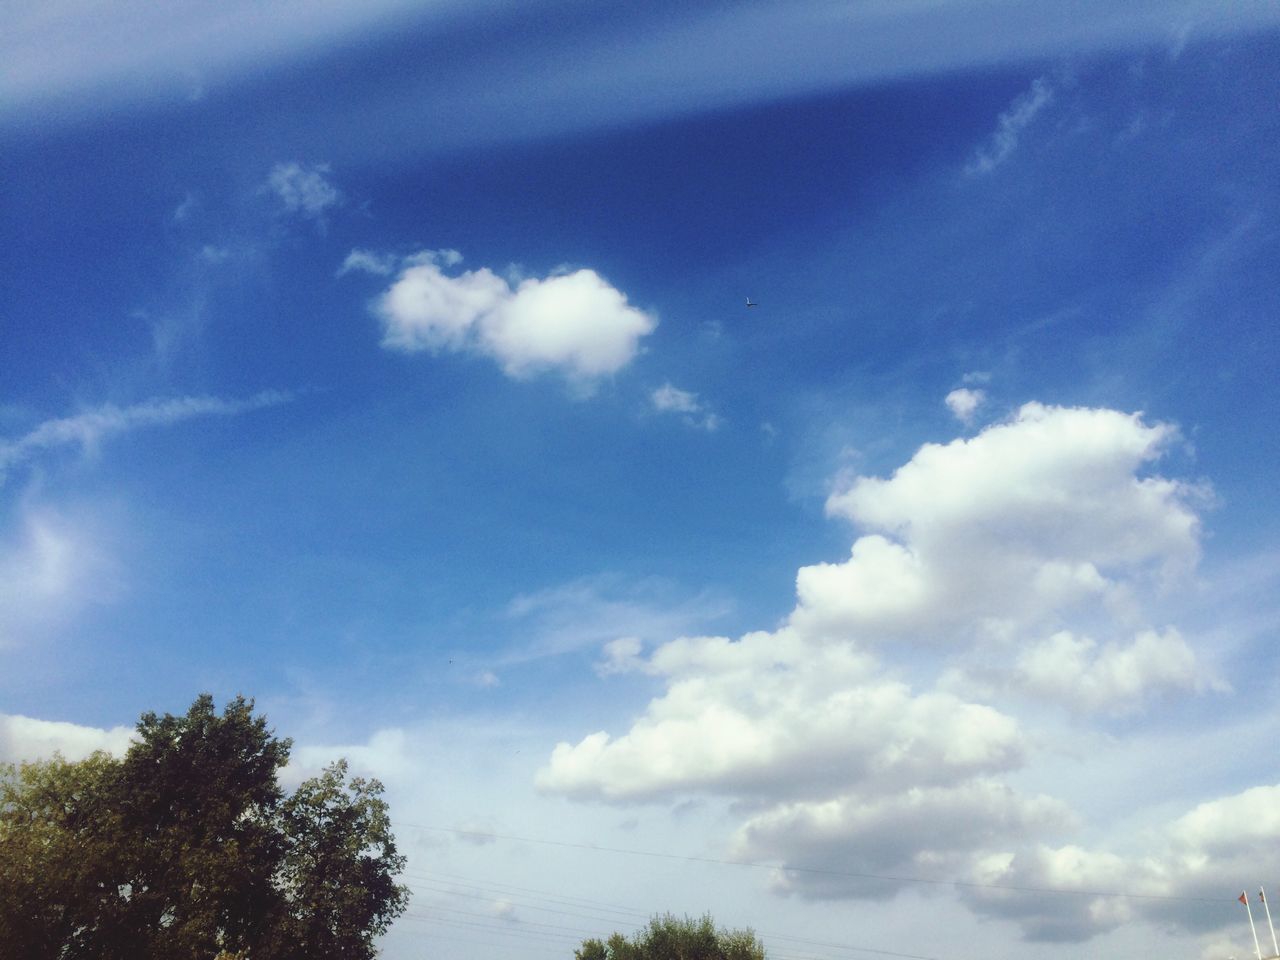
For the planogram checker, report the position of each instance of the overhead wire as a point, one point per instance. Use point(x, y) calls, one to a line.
point(855, 875)
point(635, 917)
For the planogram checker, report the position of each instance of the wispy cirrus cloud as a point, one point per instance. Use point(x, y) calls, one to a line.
point(90, 428)
point(1009, 127)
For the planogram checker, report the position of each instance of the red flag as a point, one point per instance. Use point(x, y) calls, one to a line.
point(1243, 899)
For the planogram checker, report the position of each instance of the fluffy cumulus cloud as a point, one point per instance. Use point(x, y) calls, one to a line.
point(1023, 543)
point(773, 717)
point(573, 323)
point(1081, 674)
point(25, 739)
point(1184, 879)
point(1024, 523)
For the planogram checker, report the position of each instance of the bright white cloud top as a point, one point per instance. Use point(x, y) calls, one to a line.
point(574, 323)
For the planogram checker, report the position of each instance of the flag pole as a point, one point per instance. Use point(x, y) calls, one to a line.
point(1244, 898)
point(1263, 897)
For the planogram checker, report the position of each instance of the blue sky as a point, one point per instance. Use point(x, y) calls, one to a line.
point(392, 364)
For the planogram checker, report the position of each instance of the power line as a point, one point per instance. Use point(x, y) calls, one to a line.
point(505, 926)
point(887, 878)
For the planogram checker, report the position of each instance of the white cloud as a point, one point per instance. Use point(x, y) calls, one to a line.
point(597, 611)
point(1009, 128)
point(1033, 528)
point(1185, 879)
point(50, 570)
point(620, 656)
point(964, 403)
point(671, 399)
point(369, 261)
point(187, 208)
point(920, 832)
point(25, 739)
point(1013, 527)
point(573, 323)
point(90, 428)
point(303, 190)
point(771, 716)
point(1078, 673)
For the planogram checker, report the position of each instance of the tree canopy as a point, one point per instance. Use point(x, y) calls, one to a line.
point(676, 938)
point(188, 847)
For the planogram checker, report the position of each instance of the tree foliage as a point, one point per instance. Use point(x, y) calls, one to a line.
point(675, 938)
point(188, 847)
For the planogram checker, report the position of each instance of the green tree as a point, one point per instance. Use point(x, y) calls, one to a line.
point(674, 938)
point(189, 848)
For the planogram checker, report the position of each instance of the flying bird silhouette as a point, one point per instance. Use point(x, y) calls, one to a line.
point(751, 303)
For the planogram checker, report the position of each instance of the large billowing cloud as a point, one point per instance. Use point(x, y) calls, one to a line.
point(1023, 543)
point(1014, 527)
point(574, 323)
point(774, 717)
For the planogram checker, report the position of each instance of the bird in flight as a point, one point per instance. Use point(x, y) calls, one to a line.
point(751, 303)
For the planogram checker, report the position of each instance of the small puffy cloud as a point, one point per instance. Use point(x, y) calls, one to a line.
point(304, 190)
point(91, 427)
point(1009, 128)
point(369, 261)
point(671, 399)
point(964, 403)
point(573, 323)
point(26, 739)
point(620, 656)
